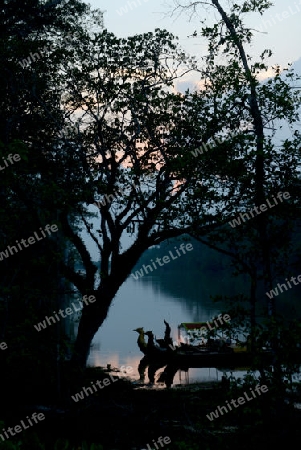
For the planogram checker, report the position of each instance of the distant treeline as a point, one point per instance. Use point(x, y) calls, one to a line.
point(201, 258)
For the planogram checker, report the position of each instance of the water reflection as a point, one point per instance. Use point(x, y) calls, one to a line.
point(146, 303)
point(175, 297)
point(180, 376)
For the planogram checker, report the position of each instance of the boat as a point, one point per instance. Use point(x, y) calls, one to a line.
point(198, 348)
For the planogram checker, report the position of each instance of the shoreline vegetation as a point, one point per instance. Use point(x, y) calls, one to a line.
point(18, 428)
point(178, 413)
point(241, 401)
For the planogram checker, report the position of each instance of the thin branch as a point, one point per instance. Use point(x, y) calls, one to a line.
point(82, 249)
point(88, 228)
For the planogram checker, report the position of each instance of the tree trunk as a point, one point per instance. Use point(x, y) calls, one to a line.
point(253, 311)
point(90, 321)
point(94, 314)
point(262, 221)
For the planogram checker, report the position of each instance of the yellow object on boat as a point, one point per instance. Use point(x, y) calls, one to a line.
point(240, 349)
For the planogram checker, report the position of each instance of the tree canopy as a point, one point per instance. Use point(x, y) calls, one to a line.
point(99, 122)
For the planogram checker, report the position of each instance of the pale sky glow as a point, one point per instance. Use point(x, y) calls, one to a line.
point(278, 29)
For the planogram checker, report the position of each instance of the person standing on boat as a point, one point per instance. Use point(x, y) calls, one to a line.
point(167, 337)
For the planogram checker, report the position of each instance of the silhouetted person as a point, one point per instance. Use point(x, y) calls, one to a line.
point(167, 337)
point(144, 363)
point(167, 376)
point(167, 341)
point(141, 341)
point(153, 348)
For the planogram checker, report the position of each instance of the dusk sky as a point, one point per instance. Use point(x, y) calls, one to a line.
point(278, 30)
point(280, 25)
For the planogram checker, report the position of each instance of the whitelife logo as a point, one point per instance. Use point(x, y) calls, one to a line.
point(18, 428)
point(220, 318)
point(166, 260)
point(263, 208)
point(210, 145)
point(274, 292)
point(199, 332)
point(11, 158)
point(132, 4)
point(31, 240)
point(280, 16)
point(88, 389)
point(166, 441)
point(241, 401)
point(107, 199)
point(3, 346)
point(33, 56)
point(42, 325)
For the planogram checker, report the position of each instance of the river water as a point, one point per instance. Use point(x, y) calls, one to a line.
point(179, 292)
point(146, 302)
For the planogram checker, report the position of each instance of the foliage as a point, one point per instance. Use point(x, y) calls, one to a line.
point(30, 279)
point(33, 442)
point(255, 166)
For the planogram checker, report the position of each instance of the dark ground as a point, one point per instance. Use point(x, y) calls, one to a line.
point(124, 416)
